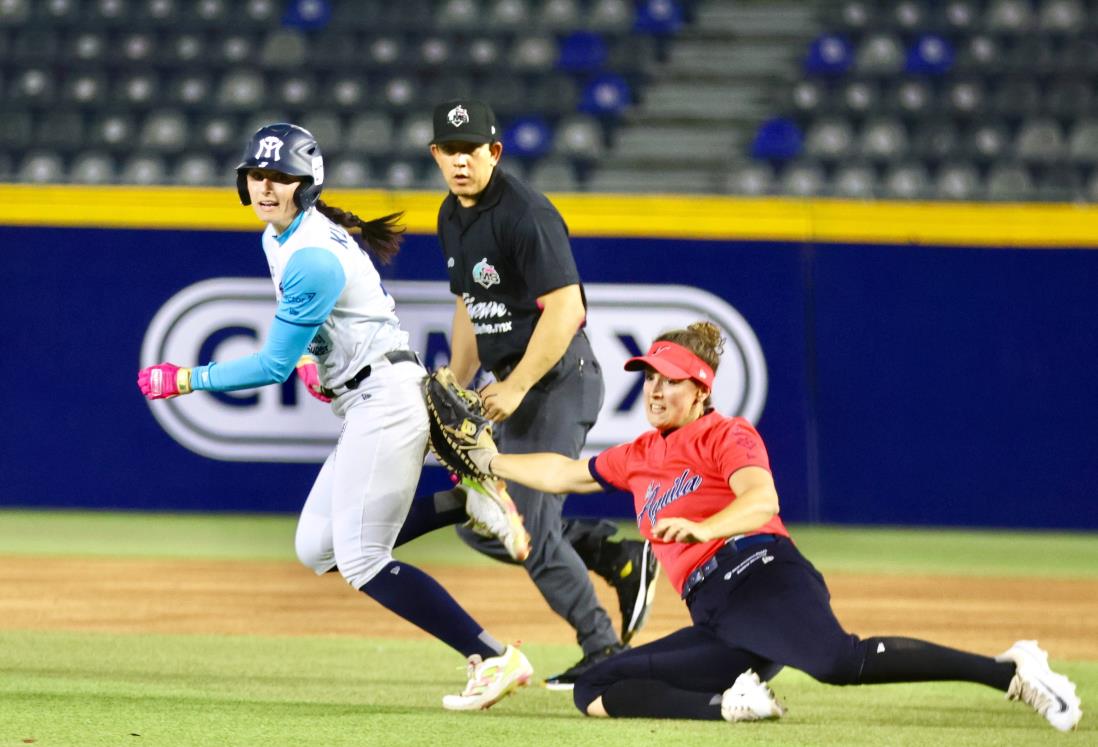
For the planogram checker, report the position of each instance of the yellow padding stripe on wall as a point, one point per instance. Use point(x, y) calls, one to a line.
point(659, 216)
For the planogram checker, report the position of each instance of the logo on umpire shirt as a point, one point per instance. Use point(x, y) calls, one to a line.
point(458, 116)
point(270, 149)
point(484, 274)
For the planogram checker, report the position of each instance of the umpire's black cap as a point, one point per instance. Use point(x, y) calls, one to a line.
point(465, 120)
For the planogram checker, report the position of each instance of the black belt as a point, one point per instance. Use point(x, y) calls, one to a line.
point(731, 547)
point(393, 356)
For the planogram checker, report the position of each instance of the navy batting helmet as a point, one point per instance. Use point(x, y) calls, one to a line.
point(288, 149)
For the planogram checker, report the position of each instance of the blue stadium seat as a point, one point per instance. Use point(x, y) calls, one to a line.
point(930, 54)
point(582, 52)
point(606, 95)
point(829, 55)
point(659, 17)
point(307, 15)
point(528, 138)
point(777, 139)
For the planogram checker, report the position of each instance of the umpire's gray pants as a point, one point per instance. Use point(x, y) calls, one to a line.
point(556, 415)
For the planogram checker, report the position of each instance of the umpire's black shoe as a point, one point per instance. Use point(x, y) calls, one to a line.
point(634, 577)
point(567, 679)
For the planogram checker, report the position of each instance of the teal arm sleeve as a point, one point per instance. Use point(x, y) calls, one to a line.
point(311, 285)
point(286, 342)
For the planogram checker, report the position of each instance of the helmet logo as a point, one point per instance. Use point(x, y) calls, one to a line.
point(458, 116)
point(270, 149)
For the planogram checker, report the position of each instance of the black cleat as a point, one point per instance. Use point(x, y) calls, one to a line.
point(634, 578)
point(567, 679)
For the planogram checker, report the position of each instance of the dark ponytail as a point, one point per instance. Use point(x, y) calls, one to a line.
point(380, 236)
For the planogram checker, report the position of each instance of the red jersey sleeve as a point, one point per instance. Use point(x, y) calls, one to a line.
point(736, 445)
point(612, 466)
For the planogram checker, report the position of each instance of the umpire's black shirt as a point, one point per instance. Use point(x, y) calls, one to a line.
point(502, 254)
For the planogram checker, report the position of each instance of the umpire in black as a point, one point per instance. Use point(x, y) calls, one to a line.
point(519, 313)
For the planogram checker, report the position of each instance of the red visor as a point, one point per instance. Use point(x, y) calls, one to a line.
point(675, 362)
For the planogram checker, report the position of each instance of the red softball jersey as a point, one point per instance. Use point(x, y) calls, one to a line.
point(685, 474)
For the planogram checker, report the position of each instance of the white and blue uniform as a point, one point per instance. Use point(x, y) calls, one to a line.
point(331, 303)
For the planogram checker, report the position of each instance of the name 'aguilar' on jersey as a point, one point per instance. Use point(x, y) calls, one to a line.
point(502, 254)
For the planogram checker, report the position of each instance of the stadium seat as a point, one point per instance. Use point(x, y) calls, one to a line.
point(483, 52)
point(554, 175)
point(880, 54)
point(988, 142)
point(749, 179)
point(1008, 16)
point(157, 15)
point(41, 167)
point(106, 13)
point(1040, 140)
point(134, 49)
point(196, 169)
point(505, 93)
point(882, 139)
point(345, 93)
point(1009, 181)
point(936, 140)
point(14, 13)
point(1069, 97)
point(910, 16)
point(164, 131)
point(433, 52)
point(558, 15)
point(400, 175)
point(360, 15)
point(241, 90)
point(579, 137)
point(859, 98)
point(113, 130)
point(85, 89)
point(1059, 184)
point(190, 90)
point(307, 15)
point(138, 91)
point(533, 54)
point(1031, 55)
point(582, 52)
point(981, 54)
point(460, 15)
point(930, 54)
point(803, 179)
point(906, 181)
point(86, 47)
point(556, 95)
point(1083, 142)
point(283, 49)
point(508, 15)
point(829, 55)
point(853, 16)
point(777, 139)
point(1016, 96)
point(369, 133)
point(326, 128)
point(658, 17)
point(217, 133)
point(808, 97)
point(965, 98)
point(911, 99)
point(413, 137)
point(347, 173)
point(1061, 16)
point(959, 181)
point(959, 16)
point(606, 95)
point(610, 16)
point(32, 87)
point(385, 53)
point(829, 138)
point(186, 49)
point(235, 49)
point(527, 138)
point(143, 169)
point(58, 13)
point(398, 93)
point(293, 91)
point(855, 180)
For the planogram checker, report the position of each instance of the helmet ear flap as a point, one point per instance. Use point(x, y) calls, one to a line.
point(242, 186)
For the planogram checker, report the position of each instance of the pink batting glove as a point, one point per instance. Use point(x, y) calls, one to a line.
point(164, 380)
point(310, 376)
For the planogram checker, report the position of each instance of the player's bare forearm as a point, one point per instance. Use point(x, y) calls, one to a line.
point(755, 504)
point(562, 315)
point(464, 359)
point(546, 471)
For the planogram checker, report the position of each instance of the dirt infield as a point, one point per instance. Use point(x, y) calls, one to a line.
point(160, 596)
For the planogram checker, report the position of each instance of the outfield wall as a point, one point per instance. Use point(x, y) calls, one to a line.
point(907, 364)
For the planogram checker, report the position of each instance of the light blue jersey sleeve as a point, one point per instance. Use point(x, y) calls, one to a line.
point(311, 285)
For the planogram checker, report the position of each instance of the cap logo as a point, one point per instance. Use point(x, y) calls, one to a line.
point(458, 116)
point(270, 149)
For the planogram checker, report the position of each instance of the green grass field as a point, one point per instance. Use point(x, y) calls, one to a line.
point(86, 689)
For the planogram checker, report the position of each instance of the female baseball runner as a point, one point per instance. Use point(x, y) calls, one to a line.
point(331, 303)
point(704, 494)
